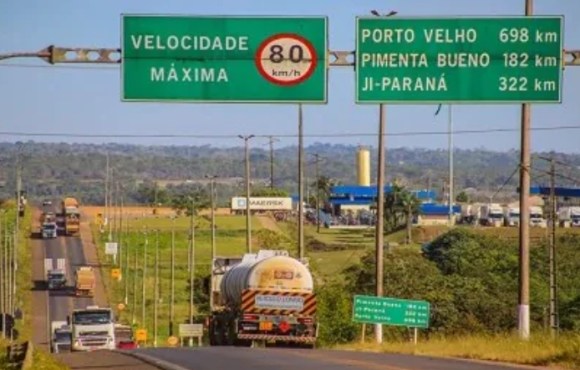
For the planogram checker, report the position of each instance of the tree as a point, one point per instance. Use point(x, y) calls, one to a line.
point(190, 202)
point(411, 205)
point(462, 197)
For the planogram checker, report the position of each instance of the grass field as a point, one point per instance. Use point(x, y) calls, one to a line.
point(540, 350)
point(230, 241)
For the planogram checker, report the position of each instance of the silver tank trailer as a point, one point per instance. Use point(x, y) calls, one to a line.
point(258, 271)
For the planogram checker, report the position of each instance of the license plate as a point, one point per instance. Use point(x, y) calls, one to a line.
point(265, 325)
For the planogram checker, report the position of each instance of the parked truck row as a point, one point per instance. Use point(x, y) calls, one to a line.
point(496, 215)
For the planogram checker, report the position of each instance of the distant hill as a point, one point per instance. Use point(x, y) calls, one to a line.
point(58, 168)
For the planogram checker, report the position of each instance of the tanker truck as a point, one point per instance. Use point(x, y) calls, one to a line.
point(263, 297)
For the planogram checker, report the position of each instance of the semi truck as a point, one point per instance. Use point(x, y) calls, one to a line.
point(537, 217)
point(55, 276)
point(92, 328)
point(266, 297)
point(569, 216)
point(71, 214)
point(512, 216)
point(60, 338)
point(84, 281)
point(491, 215)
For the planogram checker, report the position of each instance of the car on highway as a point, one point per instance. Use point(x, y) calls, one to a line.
point(124, 337)
point(47, 202)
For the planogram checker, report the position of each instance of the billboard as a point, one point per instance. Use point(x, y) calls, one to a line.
point(263, 203)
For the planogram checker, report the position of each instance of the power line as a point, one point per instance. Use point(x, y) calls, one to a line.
point(506, 182)
point(325, 135)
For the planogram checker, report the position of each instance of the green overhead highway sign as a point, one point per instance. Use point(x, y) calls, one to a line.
point(224, 59)
point(391, 311)
point(459, 60)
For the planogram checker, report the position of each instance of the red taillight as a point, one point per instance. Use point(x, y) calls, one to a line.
point(305, 320)
point(248, 317)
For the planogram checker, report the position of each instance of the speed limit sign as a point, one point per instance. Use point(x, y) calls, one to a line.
point(286, 59)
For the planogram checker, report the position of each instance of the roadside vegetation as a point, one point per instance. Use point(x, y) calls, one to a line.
point(23, 297)
point(468, 276)
point(153, 231)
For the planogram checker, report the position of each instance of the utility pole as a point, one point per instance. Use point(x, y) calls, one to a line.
point(248, 214)
point(524, 232)
point(554, 324)
point(380, 203)
point(553, 284)
point(450, 126)
point(134, 310)
point(172, 298)
point(300, 183)
point(107, 190)
point(212, 213)
point(2, 280)
point(144, 285)
point(16, 232)
point(271, 142)
point(110, 204)
point(192, 266)
point(380, 215)
point(156, 300)
point(121, 239)
point(126, 272)
point(317, 182)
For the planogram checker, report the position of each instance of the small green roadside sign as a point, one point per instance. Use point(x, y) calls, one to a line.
point(225, 59)
point(459, 60)
point(391, 311)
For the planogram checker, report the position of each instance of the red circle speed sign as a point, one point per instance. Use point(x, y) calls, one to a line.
point(286, 59)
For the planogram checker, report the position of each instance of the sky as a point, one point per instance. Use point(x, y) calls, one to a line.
point(38, 98)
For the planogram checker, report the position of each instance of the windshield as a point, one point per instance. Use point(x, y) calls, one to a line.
point(49, 227)
point(56, 276)
point(91, 317)
point(513, 214)
point(536, 215)
point(62, 337)
point(496, 215)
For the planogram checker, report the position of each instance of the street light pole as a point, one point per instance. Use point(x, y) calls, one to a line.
point(248, 218)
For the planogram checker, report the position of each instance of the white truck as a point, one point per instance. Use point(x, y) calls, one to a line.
point(470, 213)
point(55, 276)
point(60, 336)
point(491, 215)
point(537, 217)
point(512, 216)
point(569, 216)
point(93, 328)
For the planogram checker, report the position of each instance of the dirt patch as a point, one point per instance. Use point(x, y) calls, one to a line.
point(269, 223)
point(143, 211)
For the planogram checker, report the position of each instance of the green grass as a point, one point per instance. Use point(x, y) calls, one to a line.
point(540, 350)
point(230, 241)
point(201, 222)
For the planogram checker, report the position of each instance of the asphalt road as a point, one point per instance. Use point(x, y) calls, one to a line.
point(226, 358)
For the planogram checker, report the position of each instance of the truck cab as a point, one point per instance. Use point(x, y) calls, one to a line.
point(49, 230)
point(56, 279)
point(93, 328)
point(537, 217)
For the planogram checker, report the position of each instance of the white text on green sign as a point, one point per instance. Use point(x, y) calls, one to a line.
point(224, 59)
point(479, 60)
